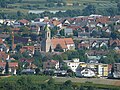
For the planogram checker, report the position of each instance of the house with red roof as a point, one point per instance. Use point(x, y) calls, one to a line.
point(30, 49)
point(24, 22)
point(51, 64)
point(4, 56)
point(12, 67)
point(15, 29)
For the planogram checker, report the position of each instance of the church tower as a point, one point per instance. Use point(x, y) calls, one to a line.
point(46, 39)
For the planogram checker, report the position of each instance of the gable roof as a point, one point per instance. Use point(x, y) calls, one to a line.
point(55, 22)
point(23, 21)
point(11, 64)
point(62, 41)
point(29, 48)
point(102, 19)
point(68, 40)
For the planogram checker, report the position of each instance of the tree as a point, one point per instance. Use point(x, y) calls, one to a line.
point(18, 47)
point(111, 11)
point(111, 57)
point(51, 81)
point(90, 9)
point(7, 68)
point(3, 3)
point(115, 34)
point(118, 6)
point(54, 31)
point(26, 54)
point(25, 31)
point(68, 83)
point(37, 70)
point(7, 30)
point(58, 48)
point(20, 1)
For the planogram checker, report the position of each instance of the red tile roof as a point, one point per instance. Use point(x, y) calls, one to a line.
point(23, 21)
point(62, 41)
point(1, 41)
point(3, 55)
point(29, 48)
point(102, 20)
point(68, 40)
point(11, 64)
point(116, 41)
point(15, 29)
point(55, 22)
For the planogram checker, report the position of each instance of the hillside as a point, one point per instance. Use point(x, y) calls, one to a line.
point(26, 5)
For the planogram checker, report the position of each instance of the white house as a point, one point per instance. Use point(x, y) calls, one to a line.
point(87, 72)
point(73, 64)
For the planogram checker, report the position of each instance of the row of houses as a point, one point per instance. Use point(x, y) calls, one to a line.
point(81, 69)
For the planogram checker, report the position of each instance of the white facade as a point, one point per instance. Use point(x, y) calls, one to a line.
point(73, 65)
point(70, 46)
point(87, 73)
point(57, 66)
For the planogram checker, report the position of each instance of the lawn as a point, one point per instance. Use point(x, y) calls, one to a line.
point(35, 78)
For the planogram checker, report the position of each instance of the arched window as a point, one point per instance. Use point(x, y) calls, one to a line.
point(48, 34)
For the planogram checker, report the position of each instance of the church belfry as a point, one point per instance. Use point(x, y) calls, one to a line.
point(46, 40)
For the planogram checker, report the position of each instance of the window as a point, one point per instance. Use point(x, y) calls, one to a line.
point(48, 34)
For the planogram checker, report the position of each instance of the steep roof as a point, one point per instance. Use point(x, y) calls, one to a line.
point(62, 41)
point(68, 40)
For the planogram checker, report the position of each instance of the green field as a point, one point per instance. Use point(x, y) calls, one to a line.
point(40, 5)
point(35, 78)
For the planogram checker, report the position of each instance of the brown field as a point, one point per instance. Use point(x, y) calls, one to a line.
point(102, 81)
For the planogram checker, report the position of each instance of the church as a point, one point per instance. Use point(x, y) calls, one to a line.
point(49, 43)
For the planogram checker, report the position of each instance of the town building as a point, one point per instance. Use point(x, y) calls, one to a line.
point(12, 67)
point(73, 64)
point(116, 70)
point(51, 64)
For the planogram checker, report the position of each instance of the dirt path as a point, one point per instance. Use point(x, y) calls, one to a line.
point(104, 81)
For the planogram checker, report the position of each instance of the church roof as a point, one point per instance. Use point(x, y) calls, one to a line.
point(62, 41)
